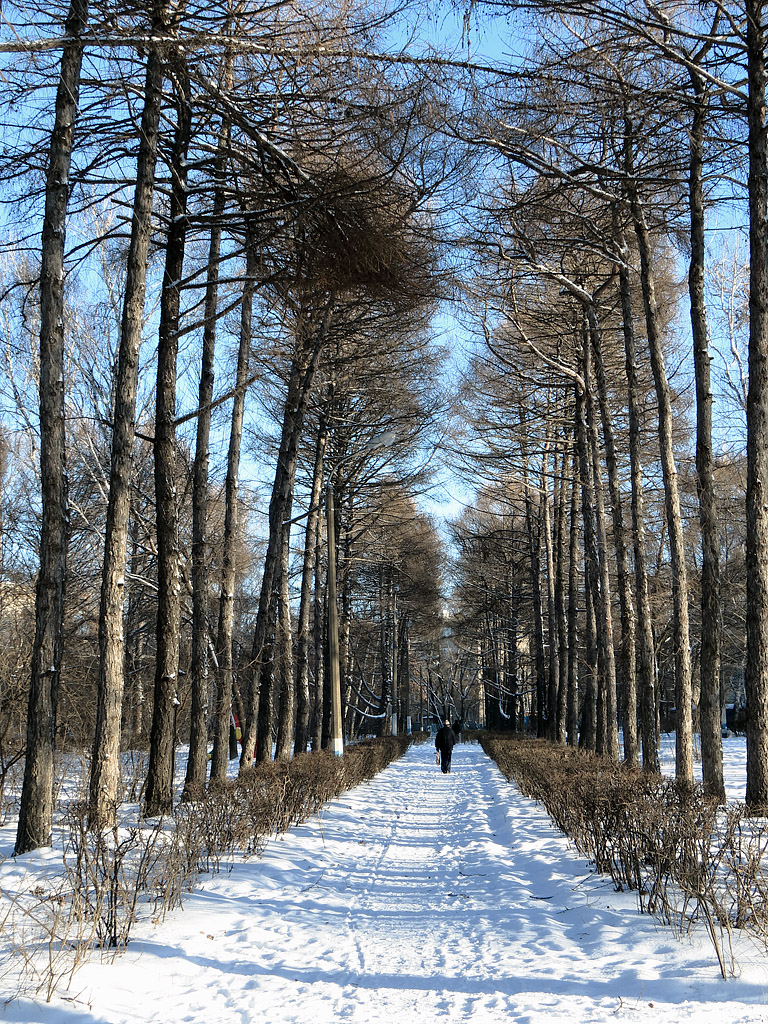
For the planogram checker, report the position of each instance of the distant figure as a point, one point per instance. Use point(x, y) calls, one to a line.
point(457, 729)
point(445, 741)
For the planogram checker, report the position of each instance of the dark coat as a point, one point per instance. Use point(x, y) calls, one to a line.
point(445, 740)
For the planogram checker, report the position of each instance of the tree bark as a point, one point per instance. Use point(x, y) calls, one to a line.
point(756, 674)
point(608, 733)
point(533, 523)
point(197, 764)
point(284, 651)
point(135, 644)
point(405, 673)
point(683, 673)
point(397, 723)
point(534, 534)
point(626, 608)
point(106, 747)
point(572, 712)
point(159, 788)
point(303, 632)
point(709, 702)
point(560, 603)
point(225, 673)
point(588, 734)
point(588, 730)
point(319, 731)
point(645, 658)
point(258, 734)
point(553, 667)
point(36, 809)
point(510, 703)
point(386, 697)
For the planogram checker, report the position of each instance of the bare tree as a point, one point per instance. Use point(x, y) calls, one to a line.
point(159, 784)
point(224, 641)
point(198, 742)
point(36, 810)
point(756, 676)
point(104, 764)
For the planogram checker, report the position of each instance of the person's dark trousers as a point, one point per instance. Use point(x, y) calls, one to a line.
point(445, 762)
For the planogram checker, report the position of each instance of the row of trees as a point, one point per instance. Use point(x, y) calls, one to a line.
point(249, 217)
point(219, 212)
point(637, 128)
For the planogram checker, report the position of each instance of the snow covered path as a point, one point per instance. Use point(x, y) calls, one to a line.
point(416, 897)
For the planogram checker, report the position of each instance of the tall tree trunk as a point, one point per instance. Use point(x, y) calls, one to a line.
point(644, 654)
point(159, 789)
point(284, 652)
point(534, 534)
point(490, 701)
point(609, 730)
point(533, 523)
point(385, 656)
point(345, 619)
point(135, 646)
point(319, 731)
point(197, 764)
point(588, 737)
point(683, 673)
point(36, 810)
point(397, 717)
point(490, 655)
point(303, 631)
point(756, 674)
point(588, 731)
point(560, 602)
point(224, 652)
point(405, 674)
point(553, 668)
point(258, 733)
point(106, 746)
point(508, 703)
point(336, 717)
point(626, 607)
point(572, 727)
point(709, 701)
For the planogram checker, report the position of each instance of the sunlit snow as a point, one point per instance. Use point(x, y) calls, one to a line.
point(417, 897)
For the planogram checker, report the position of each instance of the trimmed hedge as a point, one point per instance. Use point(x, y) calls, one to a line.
point(243, 813)
point(686, 858)
point(110, 875)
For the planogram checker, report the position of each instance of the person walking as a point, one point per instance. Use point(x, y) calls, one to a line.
point(445, 742)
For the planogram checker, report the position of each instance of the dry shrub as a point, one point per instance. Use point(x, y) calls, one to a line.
point(50, 927)
point(240, 815)
point(686, 859)
point(110, 875)
point(112, 871)
point(42, 938)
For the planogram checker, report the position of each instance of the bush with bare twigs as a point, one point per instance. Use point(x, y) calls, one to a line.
point(687, 859)
point(241, 814)
point(111, 876)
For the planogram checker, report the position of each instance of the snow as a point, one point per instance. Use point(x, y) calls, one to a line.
point(734, 763)
point(417, 896)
